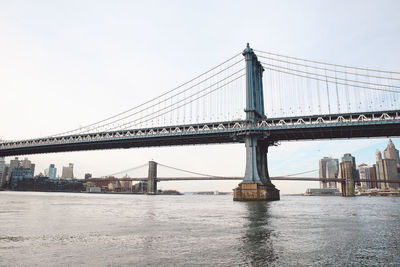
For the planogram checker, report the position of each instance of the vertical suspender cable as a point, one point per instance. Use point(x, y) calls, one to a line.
point(327, 92)
point(337, 93)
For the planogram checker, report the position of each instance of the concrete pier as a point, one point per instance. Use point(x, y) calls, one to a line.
point(255, 192)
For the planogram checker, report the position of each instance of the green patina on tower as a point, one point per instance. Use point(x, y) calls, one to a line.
point(256, 183)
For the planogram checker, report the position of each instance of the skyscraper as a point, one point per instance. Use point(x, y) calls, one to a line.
point(378, 158)
point(387, 168)
point(365, 174)
point(373, 174)
point(51, 172)
point(328, 168)
point(391, 152)
point(68, 172)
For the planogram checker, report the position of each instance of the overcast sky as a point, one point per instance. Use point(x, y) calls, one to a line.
point(64, 64)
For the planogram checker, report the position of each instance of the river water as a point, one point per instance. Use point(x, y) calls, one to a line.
point(54, 229)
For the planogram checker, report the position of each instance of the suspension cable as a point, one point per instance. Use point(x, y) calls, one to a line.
point(151, 100)
point(167, 99)
point(128, 170)
point(294, 174)
point(331, 77)
point(331, 70)
point(329, 81)
point(192, 100)
point(182, 170)
point(329, 64)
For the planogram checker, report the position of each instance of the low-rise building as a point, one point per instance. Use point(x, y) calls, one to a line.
point(19, 174)
point(322, 192)
point(2, 171)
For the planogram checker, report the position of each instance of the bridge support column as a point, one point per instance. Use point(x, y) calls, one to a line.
point(152, 178)
point(346, 173)
point(256, 184)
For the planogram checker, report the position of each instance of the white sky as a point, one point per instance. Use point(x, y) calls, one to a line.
point(64, 64)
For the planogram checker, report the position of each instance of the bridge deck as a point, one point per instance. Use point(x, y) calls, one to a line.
point(352, 125)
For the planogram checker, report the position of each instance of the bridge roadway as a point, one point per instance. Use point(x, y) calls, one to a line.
point(319, 127)
point(223, 178)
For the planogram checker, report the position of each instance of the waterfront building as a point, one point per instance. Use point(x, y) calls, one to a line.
point(373, 174)
point(51, 172)
point(2, 171)
point(126, 186)
point(365, 174)
point(26, 163)
point(328, 168)
point(140, 187)
point(114, 186)
point(19, 174)
point(44, 184)
point(378, 158)
point(5, 175)
point(14, 163)
point(93, 189)
point(33, 165)
point(388, 171)
point(68, 172)
point(322, 192)
point(388, 166)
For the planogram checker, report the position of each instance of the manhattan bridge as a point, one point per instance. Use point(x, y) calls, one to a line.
point(255, 97)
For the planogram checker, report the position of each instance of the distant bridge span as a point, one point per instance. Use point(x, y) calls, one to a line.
point(229, 178)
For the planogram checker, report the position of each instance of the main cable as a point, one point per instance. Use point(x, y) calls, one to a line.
point(331, 77)
point(192, 100)
point(331, 70)
point(128, 170)
point(329, 81)
point(329, 64)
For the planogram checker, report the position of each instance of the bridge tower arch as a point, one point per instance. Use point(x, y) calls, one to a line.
point(256, 184)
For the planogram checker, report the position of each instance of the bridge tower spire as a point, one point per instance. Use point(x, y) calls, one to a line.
point(254, 86)
point(256, 184)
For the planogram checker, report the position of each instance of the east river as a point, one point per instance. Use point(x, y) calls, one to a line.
point(66, 229)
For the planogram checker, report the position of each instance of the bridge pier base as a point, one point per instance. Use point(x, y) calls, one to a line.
point(255, 192)
point(256, 183)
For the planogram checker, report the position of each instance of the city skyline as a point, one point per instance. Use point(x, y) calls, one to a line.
point(175, 185)
point(81, 68)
